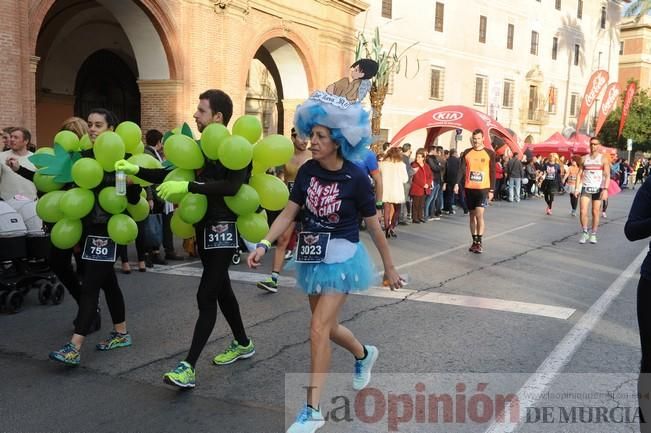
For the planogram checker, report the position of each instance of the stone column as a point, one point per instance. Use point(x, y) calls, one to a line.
point(160, 105)
point(289, 108)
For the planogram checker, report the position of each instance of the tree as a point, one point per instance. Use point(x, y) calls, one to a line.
point(638, 9)
point(389, 62)
point(638, 124)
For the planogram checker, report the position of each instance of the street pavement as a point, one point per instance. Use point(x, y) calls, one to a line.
point(535, 301)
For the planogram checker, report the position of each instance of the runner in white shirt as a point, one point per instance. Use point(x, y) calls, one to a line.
point(592, 186)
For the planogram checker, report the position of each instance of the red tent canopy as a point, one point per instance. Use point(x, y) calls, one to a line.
point(580, 143)
point(556, 143)
point(451, 117)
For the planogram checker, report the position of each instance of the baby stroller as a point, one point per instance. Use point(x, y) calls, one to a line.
point(24, 249)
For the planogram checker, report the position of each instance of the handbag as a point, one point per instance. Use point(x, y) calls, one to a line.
point(153, 228)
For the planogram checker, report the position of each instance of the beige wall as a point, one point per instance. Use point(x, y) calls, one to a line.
point(462, 57)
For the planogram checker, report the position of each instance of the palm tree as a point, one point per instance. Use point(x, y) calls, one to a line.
point(638, 9)
point(389, 62)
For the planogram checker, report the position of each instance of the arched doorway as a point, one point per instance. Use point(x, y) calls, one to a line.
point(105, 80)
point(276, 82)
point(94, 54)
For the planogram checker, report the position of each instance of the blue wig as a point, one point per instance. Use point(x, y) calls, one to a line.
point(349, 123)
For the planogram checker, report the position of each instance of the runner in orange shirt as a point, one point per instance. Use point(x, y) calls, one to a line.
point(477, 172)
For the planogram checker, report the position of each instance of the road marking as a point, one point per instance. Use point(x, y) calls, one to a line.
point(542, 379)
point(411, 295)
point(460, 247)
point(474, 302)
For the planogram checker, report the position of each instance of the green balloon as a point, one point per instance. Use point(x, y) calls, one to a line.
point(184, 152)
point(192, 208)
point(76, 203)
point(248, 127)
point(66, 233)
point(180, 174)
point(122, 229)
point(273, 191)
point(143, 160)
point(68, 140)
point(140, 210)
point(143, 193)
point(108, 149)
point(45, 183)
point(87, 173)
point(131, 135)
point(180, 228)
point(111, 202)
point(245, 201)
point(253, 227)
point(211, 137)
point(273, 150)
point(47, 207)
point(140, 148)
point(235, 152)
point(85, 143)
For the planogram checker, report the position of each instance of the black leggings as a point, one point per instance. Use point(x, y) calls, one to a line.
point(215, 287)
point(140, 245)
point(98, 275)
point(644, 323)
point(574, 201)
point(60, 262)
point(604, 205)
point(548, 190)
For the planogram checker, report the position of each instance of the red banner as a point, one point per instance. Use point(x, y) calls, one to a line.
point(628, 100)
point(597, 82)
point(610, 100)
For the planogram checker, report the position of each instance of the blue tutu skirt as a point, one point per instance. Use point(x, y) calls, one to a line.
point(351, 276)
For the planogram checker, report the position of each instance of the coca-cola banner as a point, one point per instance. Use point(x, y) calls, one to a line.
point(628, 100)
point(597, 82)
point(607, 105)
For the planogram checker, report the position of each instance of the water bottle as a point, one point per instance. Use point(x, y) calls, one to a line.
point(120, 183)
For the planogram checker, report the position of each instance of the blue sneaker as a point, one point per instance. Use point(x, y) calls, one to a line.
point(114, 340)
point(362, 375)
point(308, 420)
point(68, 354)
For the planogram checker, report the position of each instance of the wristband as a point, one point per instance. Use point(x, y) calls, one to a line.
point(264, 244)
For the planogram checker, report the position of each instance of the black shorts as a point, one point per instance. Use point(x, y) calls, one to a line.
point(594, 196)
point(476, 198)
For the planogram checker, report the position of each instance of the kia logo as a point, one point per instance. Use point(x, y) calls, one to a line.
point(447, 116)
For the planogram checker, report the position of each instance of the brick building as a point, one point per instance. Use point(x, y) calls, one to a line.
point(148, 60)
point(635, 52)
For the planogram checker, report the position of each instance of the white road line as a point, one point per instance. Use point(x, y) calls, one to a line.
point(542, 379)
point(475, 302)
point(412, 295)
point(460, 247)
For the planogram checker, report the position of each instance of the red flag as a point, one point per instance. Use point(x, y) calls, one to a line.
point(597, 82)
point(607, 105)
point(628, 100)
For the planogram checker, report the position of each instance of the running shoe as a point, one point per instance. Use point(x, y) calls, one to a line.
point(584, 237)
point(308, 420)
point(270, 285)
point(603, 215)
point(115, 340)
point(593, 238)
point(68, 354)
point(479, 249)
point(288, 254)
point(182, 376)
point(234, 352)
point(573, 213)
point(363, 367)
point(472, 247)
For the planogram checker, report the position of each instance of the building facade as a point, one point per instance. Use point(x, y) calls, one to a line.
point(148, 60)
point(524, 62)
point(635, 52)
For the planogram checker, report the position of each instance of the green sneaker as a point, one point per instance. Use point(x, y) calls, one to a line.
point(68, 354)
point(114, 341)
point(182, 376)
point(234, 352)
point(270, 285)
